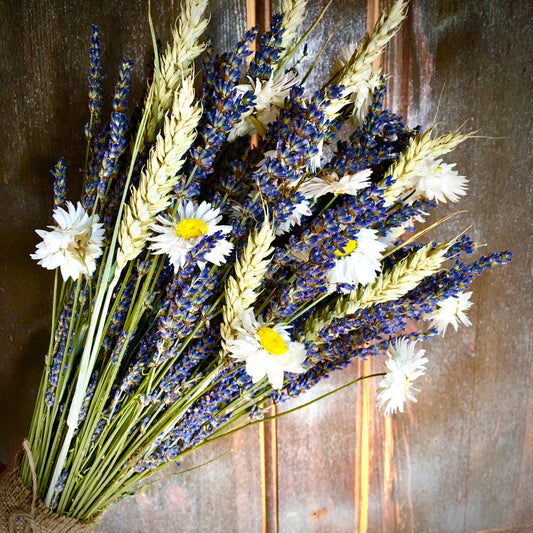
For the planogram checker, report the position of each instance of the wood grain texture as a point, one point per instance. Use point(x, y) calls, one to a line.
point(469, 465)
point(351, 14)
point(458, 460)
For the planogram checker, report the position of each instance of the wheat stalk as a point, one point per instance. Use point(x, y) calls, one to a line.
point(177, 62)
point(241, 290)
point(421, 147)
point(358, 70)
point(293, 16)
point(160, 175)
point(389, 286)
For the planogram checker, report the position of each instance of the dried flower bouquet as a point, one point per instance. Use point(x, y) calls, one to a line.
point(233, 247)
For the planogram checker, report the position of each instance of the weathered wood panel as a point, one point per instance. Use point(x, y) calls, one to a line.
point(466, 462)
point(460, 458)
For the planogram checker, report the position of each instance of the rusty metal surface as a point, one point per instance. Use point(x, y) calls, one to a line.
point(458, 460)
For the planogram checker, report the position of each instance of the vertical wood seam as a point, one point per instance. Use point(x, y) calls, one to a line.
point(268, 446)
point(262, 455)
point(470, 425)
point(363, 403)
point(251, 13)
point(274, 449)
point(251, 21)
point(259, 12)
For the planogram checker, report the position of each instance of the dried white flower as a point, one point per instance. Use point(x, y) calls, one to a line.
point(299, 210)
point(73, 245)
point(359, 261)
point(438, 181)
point(361, 94)
point(347, 184)
point(403, 366)
point(451, 311)
point(317, 160)
point(269, 99)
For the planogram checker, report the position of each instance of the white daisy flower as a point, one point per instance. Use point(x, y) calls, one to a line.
point(451, 311)
point(268, 351)
point(178, 236)
point(402, 368)
point(348, 184)
point(270, 98)
point(299, 210)
point(359, 261)
point(438, 181)
point(73, 245)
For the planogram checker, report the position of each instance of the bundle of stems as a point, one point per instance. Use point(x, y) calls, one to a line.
point(202, 274)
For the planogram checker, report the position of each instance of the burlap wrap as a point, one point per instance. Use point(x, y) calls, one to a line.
point(19, 515)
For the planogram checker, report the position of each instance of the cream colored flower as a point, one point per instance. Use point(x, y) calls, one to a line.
point(359, 261)
point(178, 236)
point(344, 57)
point(73, 245)
point(348, 184)
point(403, 366)
point(362, 98)
point(274, 91)
point(267, 350)
point(438, 181)
point(269, 99)
point(451, 311)
point(360, 92)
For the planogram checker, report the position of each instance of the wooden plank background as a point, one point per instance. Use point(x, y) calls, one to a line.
point(458, 460)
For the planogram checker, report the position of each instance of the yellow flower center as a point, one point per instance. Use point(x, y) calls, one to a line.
point(272, 341)
point(438, 168)
point(78, 246)
point(347, 250)
point(191, 228)
point(407, 383)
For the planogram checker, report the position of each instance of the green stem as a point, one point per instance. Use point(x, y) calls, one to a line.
point(52, 453)
point(53, 433)
point(279, 415)
point(123, 484)
point(94, 334)
point(141, 445)
point(38, 418)
point(134, 315)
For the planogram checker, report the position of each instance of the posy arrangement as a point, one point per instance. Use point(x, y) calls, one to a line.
point(231, 247)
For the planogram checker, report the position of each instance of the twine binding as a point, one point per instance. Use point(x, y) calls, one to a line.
point(22, 512)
